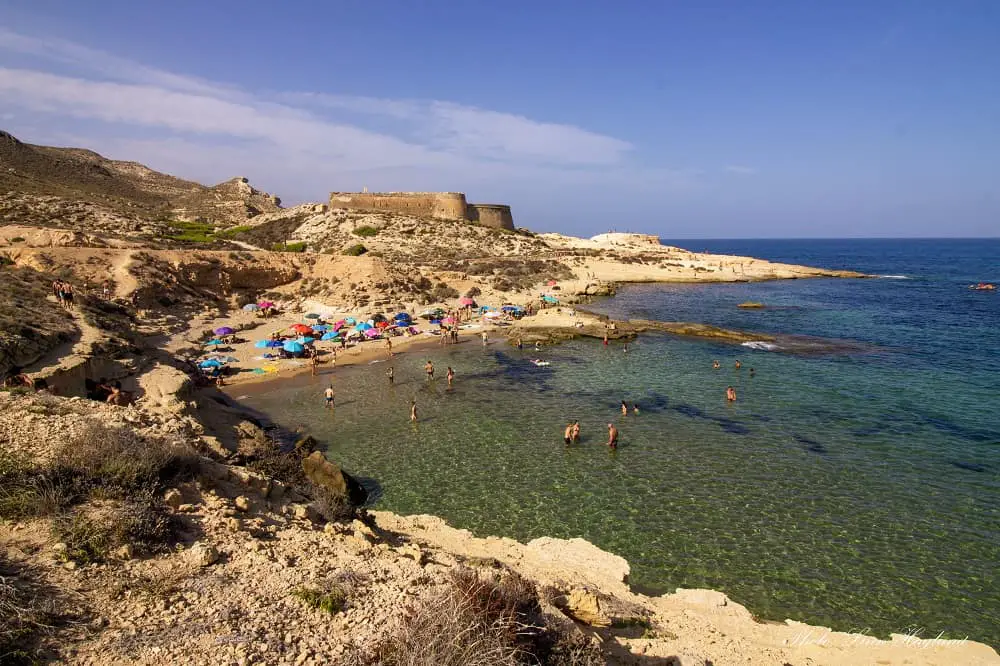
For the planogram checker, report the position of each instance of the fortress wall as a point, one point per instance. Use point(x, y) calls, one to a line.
point(448, 205)
point(491, 215)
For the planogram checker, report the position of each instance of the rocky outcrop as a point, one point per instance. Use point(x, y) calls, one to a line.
point(332, 479)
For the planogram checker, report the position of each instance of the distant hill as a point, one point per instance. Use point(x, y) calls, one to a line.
point(79, 175)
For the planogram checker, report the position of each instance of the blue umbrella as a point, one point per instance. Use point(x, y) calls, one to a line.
point(402, 316)
point(264, 344)
point(350, 320)
point(304, 340)
point(251, 307)
point(210, 363)
point(214, 343)
point(331, 336)
point(319, 328)
point(363, 326)
point(293, 347)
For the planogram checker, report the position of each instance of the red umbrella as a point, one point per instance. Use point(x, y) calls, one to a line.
point(552, 283)
point(466, 302)
point(301, 328)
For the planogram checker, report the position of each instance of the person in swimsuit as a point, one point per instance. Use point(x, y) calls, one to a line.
point(429, 369)
point(715, 365)
point(635, 408)
point(624, 409)
point(486, 338)
point(731, 394)
point(576, 431)
point(450, 376)
point(625, 348)
point(751, 372)
point(612, 436)
point(389, 374)
point(519, 344)
point(568, 434)
point(388, 347)
point(413, 410)
point(605, 339)
point(313, 364)
point(328, 396)
point(738, 364)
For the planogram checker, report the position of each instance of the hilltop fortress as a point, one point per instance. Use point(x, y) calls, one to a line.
point(444, 205)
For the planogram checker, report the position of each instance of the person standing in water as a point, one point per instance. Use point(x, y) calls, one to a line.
point(486, 338)
point(413, 410)
point(635, 408)
point(605, 339)
point(624, 409)
point(731, 394)
point(328, 395)
point(389, 373)
point(738, 364)
point(715, 365)
point(576, 431)
point(568, 434)
point(519, 344)
point(612, 436)
point(429, 369)
point(625, 348)
point(313, 364)
point(450, 375)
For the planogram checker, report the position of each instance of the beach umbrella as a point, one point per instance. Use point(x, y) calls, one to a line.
point(293, 347)
point(225, 330)
point(214, 343)
point(350, 321)
point(339, 325)
point(251, 307)
point(320, 328)
point(305, 339)
point(301, 329)
point(372, 333)
point(210, 363)
point(492, 315)
point(467, 302)
point(312, 315)
point(550, 299)
point(449, 320)
point(330, 336)
point(378, 318)
point(363, 326)
point(552, 283)
point(401, 316)
point(265, 305)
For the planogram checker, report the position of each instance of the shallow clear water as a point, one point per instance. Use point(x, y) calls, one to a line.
point(860, 491)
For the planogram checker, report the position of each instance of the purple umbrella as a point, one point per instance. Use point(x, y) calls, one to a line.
point(225, 330)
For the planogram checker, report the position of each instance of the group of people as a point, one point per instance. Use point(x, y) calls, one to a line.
point(572, 434)
point(63, 291)
point(730, 391)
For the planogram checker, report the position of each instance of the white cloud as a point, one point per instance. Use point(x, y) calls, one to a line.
point(742, 170)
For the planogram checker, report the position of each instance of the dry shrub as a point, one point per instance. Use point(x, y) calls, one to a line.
point(476, 620)
point(28, 609)
point(93, 532)
point(332, 507)
point(331, 598)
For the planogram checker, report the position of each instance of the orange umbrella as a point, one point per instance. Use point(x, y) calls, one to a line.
point(301, 328)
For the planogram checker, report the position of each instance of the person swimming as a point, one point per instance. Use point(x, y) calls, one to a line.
point(624, 409)
point(751, 372)
point(731, 394)
point(635, 408)
point(612, 436)
point(716, 365)
point(738, 364)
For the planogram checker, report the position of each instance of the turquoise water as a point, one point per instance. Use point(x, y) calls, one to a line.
point(857, 490)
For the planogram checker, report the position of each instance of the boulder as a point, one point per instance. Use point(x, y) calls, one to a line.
point(242, 503)
point(328, 476)
point(585, 606)
point(173, 498)
point(203, 555)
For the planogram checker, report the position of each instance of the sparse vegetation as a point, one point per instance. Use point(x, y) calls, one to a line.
point(17, 239)
point(192, 232)
point(289, 247)
point(365, 231)
point(355, 250)
point(480, 620)
point(331, 598)
point(28, 610)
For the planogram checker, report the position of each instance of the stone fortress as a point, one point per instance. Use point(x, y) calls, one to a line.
point(442, 205)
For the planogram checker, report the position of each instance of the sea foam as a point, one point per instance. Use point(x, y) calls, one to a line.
point(760, 344)
point(895, 277)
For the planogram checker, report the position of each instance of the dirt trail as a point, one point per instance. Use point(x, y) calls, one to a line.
point(69, 354)
point(125, 283)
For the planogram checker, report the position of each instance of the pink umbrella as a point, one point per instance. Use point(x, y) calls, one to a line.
point(449, 320)
point(466, 302)
point(266, 304)
point(372, 333)
point(339, 325)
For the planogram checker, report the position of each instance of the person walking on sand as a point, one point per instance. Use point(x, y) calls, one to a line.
point(612, 436)
point(429, 369)
point(624, 409)
point(413, 410)
point(392, 379)
point(328, 396)
point(450, 376)
point(731, 394)
point(68, 294)
point(388, 347)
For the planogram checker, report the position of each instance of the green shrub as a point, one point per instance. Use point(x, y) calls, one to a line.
point(355, 250)
point(192, 232)
point(5, 260)
point(93, 532)
point(17, 239)
point(232, 231)
point(331, 599)
point(289, 247)
point(365, 231)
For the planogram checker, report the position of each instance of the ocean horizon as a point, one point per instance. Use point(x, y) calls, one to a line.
point(855, 482)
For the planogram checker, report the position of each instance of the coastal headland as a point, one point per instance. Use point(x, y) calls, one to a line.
point(168, 526)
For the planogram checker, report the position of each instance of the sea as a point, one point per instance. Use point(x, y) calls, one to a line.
point(854, 483)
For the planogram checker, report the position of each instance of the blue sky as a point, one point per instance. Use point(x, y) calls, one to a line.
point(687, 119)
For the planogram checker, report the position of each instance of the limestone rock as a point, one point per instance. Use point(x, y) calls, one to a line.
point(242, 503)
point(585, 606)
point(325, 474)
point(203, 555)
point(173, 498)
